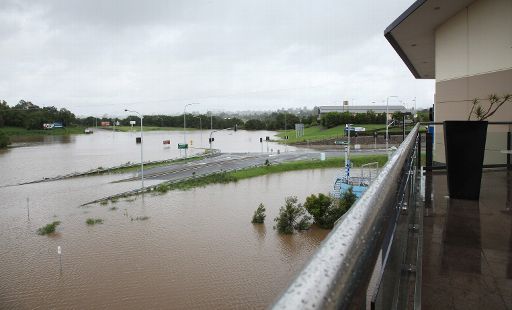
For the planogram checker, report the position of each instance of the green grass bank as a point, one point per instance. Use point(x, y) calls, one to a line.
point(316, 133)
point(234, 176)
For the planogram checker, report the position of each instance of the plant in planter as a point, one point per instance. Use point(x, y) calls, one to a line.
point(495, 103)
point(465, 146)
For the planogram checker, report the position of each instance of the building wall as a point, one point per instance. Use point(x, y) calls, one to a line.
point(474, 60)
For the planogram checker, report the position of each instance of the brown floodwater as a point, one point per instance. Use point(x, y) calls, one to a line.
point(197, 249)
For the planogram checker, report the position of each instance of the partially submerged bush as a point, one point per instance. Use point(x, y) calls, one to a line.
point(162, 188)
point(292, 216)
point(48, 229)
point(140, 218)
point(322, 209)
point(259, 215)
point(91, 221)
point(326, 210)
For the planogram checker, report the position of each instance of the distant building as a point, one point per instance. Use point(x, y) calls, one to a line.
point(359, 109)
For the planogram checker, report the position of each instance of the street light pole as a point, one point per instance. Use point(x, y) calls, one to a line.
point(387, 125)
point(200, 128)
point(210, 140)
point(141, 147)
point(185, 125)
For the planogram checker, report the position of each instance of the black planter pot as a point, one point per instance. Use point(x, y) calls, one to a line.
point(464, 143)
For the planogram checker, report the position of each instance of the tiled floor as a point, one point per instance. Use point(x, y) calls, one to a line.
point(467, 253)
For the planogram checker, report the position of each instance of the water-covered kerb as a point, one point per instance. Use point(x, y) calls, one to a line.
point(338, 273)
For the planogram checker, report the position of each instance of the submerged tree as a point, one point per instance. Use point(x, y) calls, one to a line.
point(320, 208)
point(259, 215)
point(326, 210)
point(292, 216)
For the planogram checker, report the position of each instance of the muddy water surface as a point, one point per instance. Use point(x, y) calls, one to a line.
point(197, 249)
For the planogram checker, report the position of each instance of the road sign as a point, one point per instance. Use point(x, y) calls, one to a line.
point(182, 146)
point(59, 251)
point(340, 142)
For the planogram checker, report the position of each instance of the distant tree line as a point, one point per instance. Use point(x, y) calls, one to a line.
point(278, 121)
point(333, 119)
point(27, 115)
point(270, 121)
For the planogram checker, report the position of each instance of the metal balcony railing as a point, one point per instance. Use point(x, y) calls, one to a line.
point(372, 257)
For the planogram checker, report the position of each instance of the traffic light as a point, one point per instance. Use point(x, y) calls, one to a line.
point(261, 140)
point(210, 140)
point(267, 138)
point(236, 126)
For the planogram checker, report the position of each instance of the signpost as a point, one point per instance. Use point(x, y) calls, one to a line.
point(182, 146)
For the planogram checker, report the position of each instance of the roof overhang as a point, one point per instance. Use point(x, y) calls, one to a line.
point(412, 34)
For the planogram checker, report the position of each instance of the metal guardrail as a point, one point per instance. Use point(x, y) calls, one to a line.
point(338, 274)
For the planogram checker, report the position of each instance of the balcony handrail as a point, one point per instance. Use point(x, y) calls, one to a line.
point(337, 274)
point(490, 123)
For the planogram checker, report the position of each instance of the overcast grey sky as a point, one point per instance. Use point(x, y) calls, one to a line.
point(97, 57)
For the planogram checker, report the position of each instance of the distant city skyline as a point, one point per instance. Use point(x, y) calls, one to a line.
point(99, 57)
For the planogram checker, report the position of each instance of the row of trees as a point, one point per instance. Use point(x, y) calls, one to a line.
point(333, 119)
point(272, 121)
point(27, 115)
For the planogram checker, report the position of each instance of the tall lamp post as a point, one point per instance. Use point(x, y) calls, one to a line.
point(141, 147)
point(200, 128)
point(387, 124)
point(185, 125)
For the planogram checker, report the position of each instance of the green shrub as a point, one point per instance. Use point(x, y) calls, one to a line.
point(48, 229)
point(320, 208)
point(326, 210)
point(162, 188)
point(91, 221)
point(291, 216)
point(259, 215)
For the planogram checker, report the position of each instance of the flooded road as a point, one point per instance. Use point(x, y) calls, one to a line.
point(196, 249)
point(53, 155)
